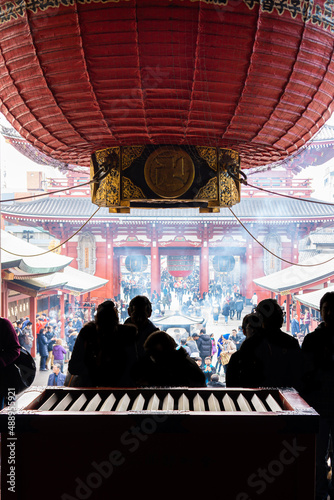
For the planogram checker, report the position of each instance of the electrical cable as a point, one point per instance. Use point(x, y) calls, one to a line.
point(273, 254)
point(58, 246)
point(48, 193)
point(245, 182)
point(289, 196)
point(99, 175)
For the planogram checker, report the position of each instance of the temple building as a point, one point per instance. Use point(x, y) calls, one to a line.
point(233, 246)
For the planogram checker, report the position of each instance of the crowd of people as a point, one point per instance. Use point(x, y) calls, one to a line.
point(107, 353)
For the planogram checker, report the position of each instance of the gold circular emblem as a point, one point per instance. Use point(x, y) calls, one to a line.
point(169, 172)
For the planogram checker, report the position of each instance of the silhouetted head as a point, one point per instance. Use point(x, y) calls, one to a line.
point(327, 308)
point(252, 323)
point(140, 309)
point(271, 313)
point(159, 345)
point(106, 316)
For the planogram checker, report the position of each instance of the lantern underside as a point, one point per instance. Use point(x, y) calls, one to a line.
point(79, 77)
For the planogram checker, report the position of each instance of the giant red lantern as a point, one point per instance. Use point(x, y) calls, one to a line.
point(80, 76)
point(180, 266)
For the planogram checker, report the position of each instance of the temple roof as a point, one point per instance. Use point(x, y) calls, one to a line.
point(73, 280)
point(312, 299)
point(254, 209)
point(29, 261)
point(41, 272)
point(293, 278)
point(325, 134)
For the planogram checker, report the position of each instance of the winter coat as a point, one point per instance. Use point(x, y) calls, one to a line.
point(51, 343)
point(204, 343)
point(58, 352)
point(60, 379)
point(26, 339)
point(109, 351)
point(226, 309)
point(267, 359)
point(135, 351)
point(239, 305)
point(42, 344)
point(192, 344)
point(177, 370)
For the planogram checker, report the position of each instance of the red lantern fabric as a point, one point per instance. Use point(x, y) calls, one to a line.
point(76, 77)
point(180, 266)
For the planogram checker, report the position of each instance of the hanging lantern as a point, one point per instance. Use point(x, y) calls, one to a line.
point(180, 266)
point(252, 76)
point(223, 263)
point(136, 263)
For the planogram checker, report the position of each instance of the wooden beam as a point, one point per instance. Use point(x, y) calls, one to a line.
point(22, 289)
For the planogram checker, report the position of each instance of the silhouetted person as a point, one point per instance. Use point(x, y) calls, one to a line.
point(99, 351)
point(9, 352)
point(251, 324)
point(139, 310)
point(167, 365)
point(269, 357)
point(318, 386)
point(242, 370)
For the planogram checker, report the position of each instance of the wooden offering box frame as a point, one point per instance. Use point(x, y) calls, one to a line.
point(241, 444)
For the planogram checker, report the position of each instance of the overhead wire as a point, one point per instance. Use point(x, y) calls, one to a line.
point(47, 193)
point(57, 246)
point(272, 253)
point(99, 175)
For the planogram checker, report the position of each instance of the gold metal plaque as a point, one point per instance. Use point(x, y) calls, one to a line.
point(169, 172)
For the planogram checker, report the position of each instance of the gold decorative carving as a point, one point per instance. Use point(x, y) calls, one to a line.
point(130, 191)
point(107, 191)
point(169, 172)
point(209, 155)
point(129, 154)
point(229, 187)
point(209, 191)
point(229, 194)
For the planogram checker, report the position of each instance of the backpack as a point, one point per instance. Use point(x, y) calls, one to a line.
point(18, 375)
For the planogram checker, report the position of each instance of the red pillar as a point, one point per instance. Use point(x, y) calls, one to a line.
point(4, 299)
point(155, 268)
point(109, 264)
point(32, 317)
point(62, 315)
point(298, 310)
point(249, 289)
point(116, 276)
point(204, 269)
point(288, 303)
